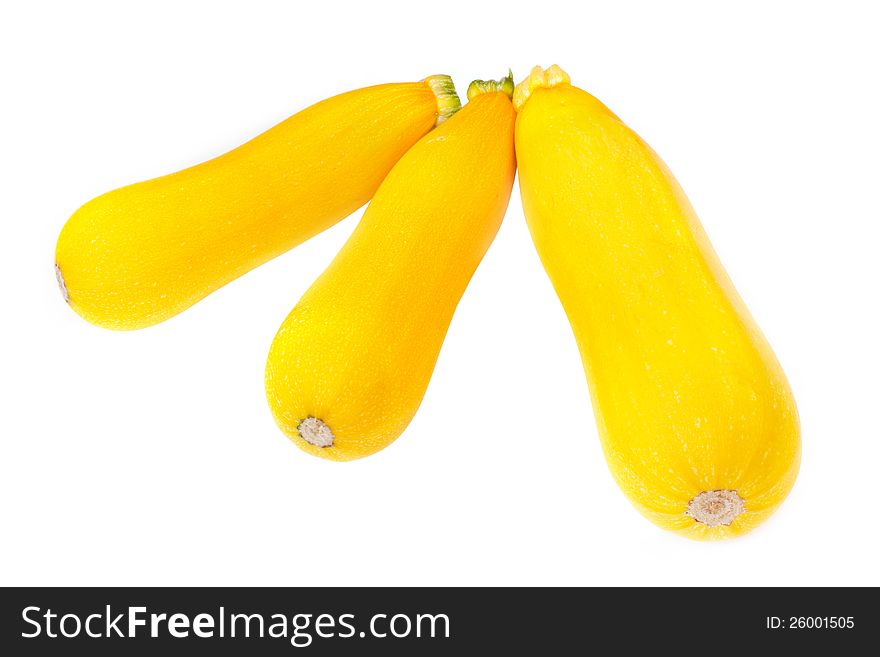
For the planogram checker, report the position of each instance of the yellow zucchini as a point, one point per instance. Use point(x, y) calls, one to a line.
point(349, 366)
point(697, 421)
point(140, 254)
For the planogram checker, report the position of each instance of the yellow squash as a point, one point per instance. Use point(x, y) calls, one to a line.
point(697, 421)
point(143, 253)
point(350, 364)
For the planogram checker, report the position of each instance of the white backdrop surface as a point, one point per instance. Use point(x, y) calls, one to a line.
point(151, 457)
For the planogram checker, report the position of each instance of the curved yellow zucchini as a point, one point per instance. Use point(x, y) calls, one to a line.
point(140, 254)
point(350, 364)
point(697, 421)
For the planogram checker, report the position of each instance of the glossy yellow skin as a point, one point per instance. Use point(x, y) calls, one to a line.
point(687, 392)
point(140, 254)
point(359, 348)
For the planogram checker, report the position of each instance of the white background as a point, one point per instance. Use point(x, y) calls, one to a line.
point(151, 457)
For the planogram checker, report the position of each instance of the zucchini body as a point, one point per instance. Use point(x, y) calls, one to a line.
point(140, 254)
point(696, 418)
point(349, 366)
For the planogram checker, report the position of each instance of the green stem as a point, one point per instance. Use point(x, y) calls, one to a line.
point(448, 102)
point(504, 85)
